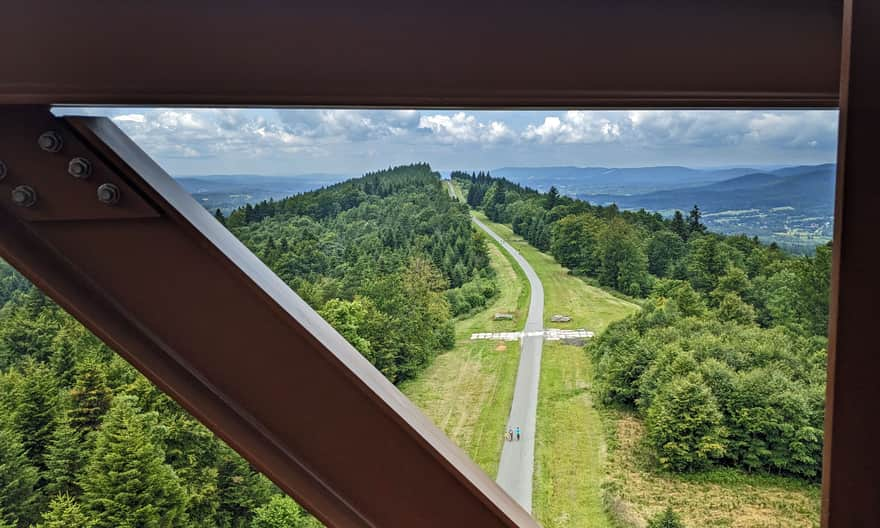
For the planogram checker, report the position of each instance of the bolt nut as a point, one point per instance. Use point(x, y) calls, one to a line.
point(50, 141)
point(108, 194)
point(24, 196)
point(2, 171)
point(79, 168)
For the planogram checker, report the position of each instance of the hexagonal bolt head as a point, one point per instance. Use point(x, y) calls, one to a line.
point(24, 196)
point(2, 171)
point(50, 141)
point(108, 194)
point(79, 168)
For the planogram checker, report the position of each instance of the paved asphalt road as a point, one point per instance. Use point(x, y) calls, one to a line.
point(518, 458)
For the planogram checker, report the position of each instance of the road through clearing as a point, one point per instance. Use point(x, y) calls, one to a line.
point(516, 469)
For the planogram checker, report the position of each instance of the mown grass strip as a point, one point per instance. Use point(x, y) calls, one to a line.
point(570, 450)
point(467, 391)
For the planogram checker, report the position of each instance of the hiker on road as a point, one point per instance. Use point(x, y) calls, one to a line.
point(517, 432)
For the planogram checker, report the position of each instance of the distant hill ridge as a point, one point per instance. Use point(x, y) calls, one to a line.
point(793, 206)
point(608, 180)
point(806, 188)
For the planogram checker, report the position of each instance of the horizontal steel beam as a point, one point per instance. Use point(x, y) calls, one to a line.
point(592, 53)
point(169, 288)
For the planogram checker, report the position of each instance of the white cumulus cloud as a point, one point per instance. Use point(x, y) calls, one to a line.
point(464, 128)
point(351, 125)
point(197, 133)
point(574, 126)
point(355, 139)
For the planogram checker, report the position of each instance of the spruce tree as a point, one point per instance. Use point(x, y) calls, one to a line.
point(192, 452)
point(30, 322)
point(241, 490)
point(70, 346)
point(35, 414)
point(90, 397)
point(64, 512)
point(17, 480)
point(694, 224)
point(678, 225)
point(127, 482)
point(65, 459)
point(282, 512)
point(552, 198)
point(63, 359)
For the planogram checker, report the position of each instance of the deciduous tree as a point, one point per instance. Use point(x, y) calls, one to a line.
point(684, 425)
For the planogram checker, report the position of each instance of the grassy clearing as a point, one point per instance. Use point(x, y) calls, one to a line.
point(570, 450)
point(584, 477)
point(456, 190)
point(635, 490)
point(467, 391)
point(589, 307)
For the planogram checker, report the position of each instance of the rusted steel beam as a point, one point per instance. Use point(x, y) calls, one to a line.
point(851, 476)
point(592, 53)
point(169, 288)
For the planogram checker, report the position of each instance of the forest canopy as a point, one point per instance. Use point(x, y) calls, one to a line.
point(726, 362)
point(86, 441)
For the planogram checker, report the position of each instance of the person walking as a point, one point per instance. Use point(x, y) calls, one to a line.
point(517, 432)
point(510, 434)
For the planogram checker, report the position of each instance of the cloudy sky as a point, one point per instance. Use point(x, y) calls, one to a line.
point(350, 142)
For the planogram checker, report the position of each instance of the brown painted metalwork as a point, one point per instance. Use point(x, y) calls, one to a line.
point(168, 287)
point(851, 485)
point(422, 53)
point(198, 314)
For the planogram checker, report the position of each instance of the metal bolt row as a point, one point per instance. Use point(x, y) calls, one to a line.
point(80, 168)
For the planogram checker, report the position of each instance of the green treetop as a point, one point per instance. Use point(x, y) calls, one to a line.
point(684, 424)
point(666, 519)
point(90, 397)
point(127, 482)
point(36, 409)
point(282, 512)
point(65, 459)
point(17, 479)
point(64, 512)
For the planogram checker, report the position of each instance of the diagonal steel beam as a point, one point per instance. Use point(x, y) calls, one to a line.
point(170, 289)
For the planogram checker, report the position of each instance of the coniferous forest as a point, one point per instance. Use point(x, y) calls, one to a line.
point(726, 361)
point(86, 441)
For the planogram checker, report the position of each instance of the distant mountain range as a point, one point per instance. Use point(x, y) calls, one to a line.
point(809, 189)
point(608, 180)
point(793, 206)
point(229, 191)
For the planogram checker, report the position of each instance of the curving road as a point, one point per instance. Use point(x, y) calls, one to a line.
point(517, 466)
point(518, 458)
